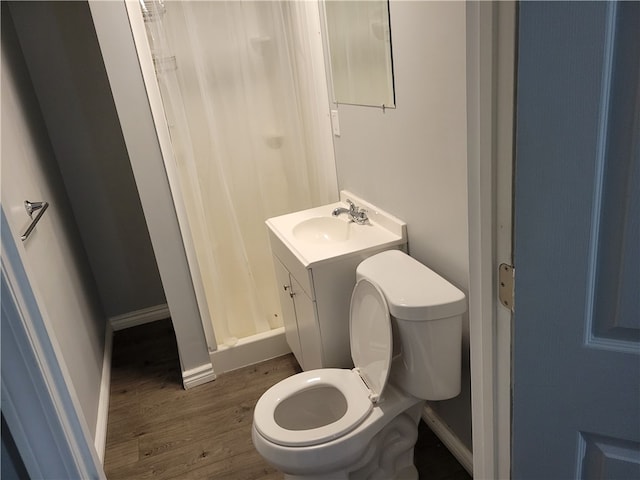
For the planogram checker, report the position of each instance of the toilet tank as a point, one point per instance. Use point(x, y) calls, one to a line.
point(426, 312)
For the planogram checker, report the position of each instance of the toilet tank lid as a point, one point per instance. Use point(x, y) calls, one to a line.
point(412, 290)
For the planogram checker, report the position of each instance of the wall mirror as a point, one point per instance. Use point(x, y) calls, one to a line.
point(358, 38)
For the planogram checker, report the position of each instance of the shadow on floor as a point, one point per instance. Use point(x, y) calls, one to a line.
point(433, 460)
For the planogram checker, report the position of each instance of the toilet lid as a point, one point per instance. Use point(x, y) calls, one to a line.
point(370, 336)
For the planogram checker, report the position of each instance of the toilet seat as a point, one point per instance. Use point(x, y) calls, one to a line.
point(360, 388)
point(347, 382)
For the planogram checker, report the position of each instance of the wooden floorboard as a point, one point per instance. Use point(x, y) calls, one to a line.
point(158, 430)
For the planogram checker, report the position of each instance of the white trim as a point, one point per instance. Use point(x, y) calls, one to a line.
point(504, 99)
point(139, 317)
point(100, 441)
point(490, 106)
point(248, 351)
point(448, 438)
point(198, 376)
point(480, 191)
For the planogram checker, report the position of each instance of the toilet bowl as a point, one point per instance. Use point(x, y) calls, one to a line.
point(313, 407)
point(405, 330)
point(345, 454)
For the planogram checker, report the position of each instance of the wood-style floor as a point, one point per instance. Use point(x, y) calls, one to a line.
point(158, 430)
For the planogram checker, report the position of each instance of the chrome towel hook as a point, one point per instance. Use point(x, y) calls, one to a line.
point(31, 207)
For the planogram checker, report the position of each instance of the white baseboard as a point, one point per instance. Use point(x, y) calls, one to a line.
point(197, 376)
point(250, 350)
point(100, 440)
point(139, 317)
point(448, 438)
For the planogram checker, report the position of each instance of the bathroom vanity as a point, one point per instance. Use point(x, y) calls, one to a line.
point(315, 256)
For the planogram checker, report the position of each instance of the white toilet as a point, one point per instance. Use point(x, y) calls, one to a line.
point(405, 329)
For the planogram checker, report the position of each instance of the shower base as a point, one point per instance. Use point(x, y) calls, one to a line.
point(249, 350)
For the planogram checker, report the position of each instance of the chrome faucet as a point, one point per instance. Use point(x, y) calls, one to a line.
point(356, 214)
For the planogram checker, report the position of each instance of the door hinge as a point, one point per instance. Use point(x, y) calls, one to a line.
point(506, 274)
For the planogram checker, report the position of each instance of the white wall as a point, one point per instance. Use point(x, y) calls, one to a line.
point(412, 161)
point(53, 255)
point(65, 64)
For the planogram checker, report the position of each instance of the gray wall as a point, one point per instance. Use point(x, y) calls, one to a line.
point(72, 307)
point(412, 161)
point(68, 74)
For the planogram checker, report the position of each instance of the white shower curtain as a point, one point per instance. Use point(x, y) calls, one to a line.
point(245, 98)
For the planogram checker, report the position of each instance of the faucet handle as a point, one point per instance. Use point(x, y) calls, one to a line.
point(360, 217)
point(356, 214)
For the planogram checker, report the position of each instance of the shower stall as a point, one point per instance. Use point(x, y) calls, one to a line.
point(245, 102)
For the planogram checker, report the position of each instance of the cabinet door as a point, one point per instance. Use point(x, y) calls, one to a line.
point(288, 312)
point(308, 328)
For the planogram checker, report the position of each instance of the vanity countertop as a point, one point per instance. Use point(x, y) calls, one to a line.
point(315, 235)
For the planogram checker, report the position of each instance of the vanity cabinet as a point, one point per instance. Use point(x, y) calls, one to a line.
point(315, 255)
point(315, 304)
point(301, 328)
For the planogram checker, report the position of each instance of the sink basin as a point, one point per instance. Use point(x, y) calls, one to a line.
point(322, 230)
point(314, 235)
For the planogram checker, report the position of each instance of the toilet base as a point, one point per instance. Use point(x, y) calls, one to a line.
point(389, 455)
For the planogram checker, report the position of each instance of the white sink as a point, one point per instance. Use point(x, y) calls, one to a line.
point(323, 230)
point(315, 235)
